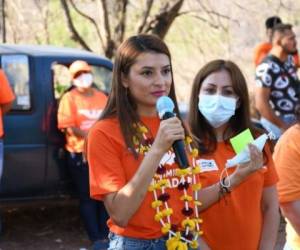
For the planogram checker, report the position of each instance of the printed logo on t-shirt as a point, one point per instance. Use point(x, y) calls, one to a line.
point(92, 114)
point(207, 165)
point(170, 174)
point(173, 180)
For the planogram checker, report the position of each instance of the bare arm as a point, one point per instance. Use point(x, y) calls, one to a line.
point(76, 131)
point(270, 211)
point(210, 195)
point(133, 193)
point(291, 210)
point(262, 96)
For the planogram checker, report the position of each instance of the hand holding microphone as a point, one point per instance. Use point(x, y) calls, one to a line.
point(171, 130)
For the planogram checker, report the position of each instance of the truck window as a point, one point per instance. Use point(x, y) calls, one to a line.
point(62, 78)
point(16, 68)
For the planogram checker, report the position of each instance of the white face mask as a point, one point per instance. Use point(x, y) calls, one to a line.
point(217, 109)
point(84, 80)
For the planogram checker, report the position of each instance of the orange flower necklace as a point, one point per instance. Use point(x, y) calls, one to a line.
point(180, 237)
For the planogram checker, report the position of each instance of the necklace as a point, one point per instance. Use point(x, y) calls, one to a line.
point(184, 235)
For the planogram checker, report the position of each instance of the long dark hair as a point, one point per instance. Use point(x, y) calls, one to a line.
point(120, 104)
point(201, 130)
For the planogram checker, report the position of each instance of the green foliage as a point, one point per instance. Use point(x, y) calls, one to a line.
point(59, 33)
point(60, 89)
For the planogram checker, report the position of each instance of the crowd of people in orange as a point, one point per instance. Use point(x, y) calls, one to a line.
point(122, 159)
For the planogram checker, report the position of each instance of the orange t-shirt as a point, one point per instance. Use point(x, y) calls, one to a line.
point(287, 157)
point(77, 110)
point(263, 49)
point(6, 96)
point(235, 222)
point(112, 165)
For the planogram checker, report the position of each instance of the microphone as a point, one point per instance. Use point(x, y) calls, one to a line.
point(165, 107)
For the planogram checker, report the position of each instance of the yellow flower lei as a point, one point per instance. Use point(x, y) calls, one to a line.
point(190, 226)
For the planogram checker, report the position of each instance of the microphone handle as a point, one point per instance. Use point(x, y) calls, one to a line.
point(180, 154)
point(178, 147)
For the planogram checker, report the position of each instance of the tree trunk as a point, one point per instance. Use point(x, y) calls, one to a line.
point(3, 25)
point(162, 22)
point(75, 34)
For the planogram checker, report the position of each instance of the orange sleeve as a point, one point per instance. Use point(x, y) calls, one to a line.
point(271, 177)
point(66, 111)
point(259, 57)
point(287, 158)
point(105, 168)
point(6, 93)
point(260, 52)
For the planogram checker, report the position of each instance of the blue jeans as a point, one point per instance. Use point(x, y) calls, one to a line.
point(92, 212)
point(118, 242)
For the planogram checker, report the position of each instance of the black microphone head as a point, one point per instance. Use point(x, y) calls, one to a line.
point(164, 104)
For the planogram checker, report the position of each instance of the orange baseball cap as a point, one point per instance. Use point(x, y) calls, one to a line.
point(78, 66)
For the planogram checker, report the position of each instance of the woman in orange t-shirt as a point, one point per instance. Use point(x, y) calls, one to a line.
point(246, 217)
point(287, 156)
point(152, 204)
point(78, 110)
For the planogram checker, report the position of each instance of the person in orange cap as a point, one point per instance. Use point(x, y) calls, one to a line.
point(78, 110)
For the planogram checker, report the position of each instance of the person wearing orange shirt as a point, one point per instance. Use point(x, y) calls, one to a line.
point(153, 205)
point(247, 216)
point(287, 157)
point(6, 100)
point(78, 110)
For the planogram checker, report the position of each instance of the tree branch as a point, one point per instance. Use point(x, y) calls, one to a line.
point(92, 20)
point(206, 21)
point(110, 44)
point(75, 34)
point(145, 16)
point(120, 27)
point(215, 16)
point(106, 20)
point(3, 19)
point(163, 21)
point(44, 11)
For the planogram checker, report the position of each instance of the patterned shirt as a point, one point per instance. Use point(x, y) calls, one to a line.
point(283, 82)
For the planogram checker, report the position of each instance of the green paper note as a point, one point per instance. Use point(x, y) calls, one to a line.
point(240, 141)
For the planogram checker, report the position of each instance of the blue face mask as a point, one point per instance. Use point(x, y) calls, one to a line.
point(217, 109)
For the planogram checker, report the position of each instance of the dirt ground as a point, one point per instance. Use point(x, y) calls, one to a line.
point(54, 227)
point(44, 227)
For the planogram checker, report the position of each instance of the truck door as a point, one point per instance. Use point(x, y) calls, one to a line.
point(24, 142)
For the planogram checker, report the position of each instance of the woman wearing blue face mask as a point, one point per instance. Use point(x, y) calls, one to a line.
point(246, 214)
